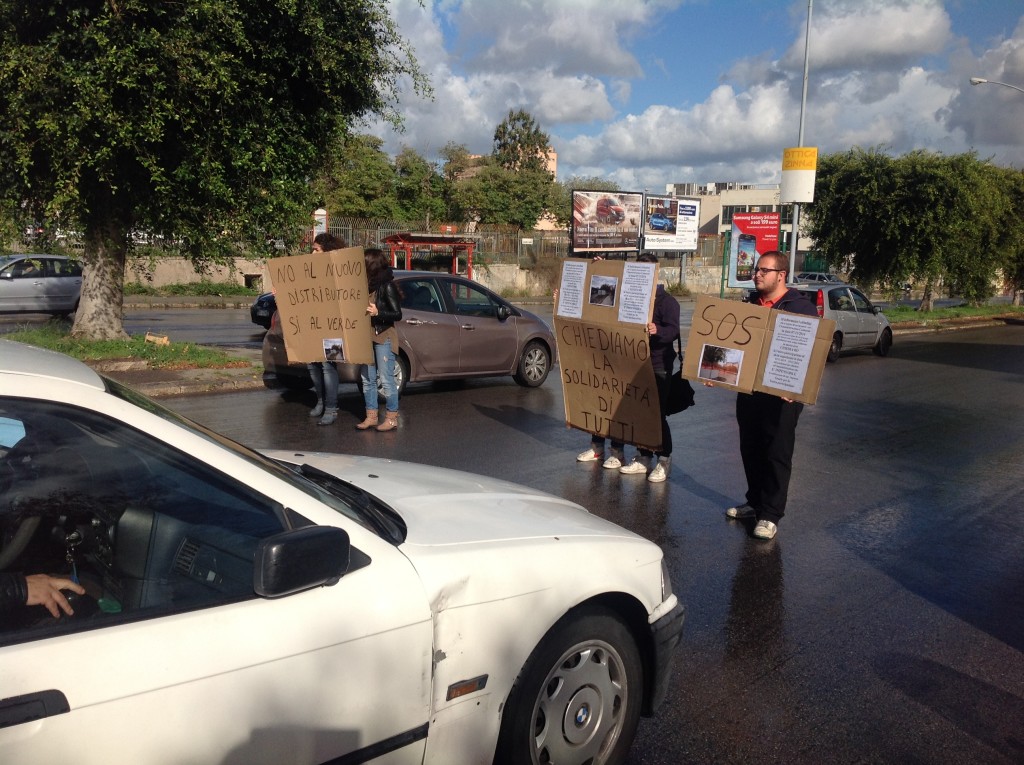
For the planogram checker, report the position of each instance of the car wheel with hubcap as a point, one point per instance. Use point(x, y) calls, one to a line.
point(884, 343)
point(835, 347)
point(534, 365)
point(578, 697)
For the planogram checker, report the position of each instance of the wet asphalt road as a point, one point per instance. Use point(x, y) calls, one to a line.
point(885, 623)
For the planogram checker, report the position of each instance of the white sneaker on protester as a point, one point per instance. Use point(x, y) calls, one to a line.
point(660, 472)
point(613, 462)
point(765, 530)
point(741, 511)
point(634, 467)
point(589, 456)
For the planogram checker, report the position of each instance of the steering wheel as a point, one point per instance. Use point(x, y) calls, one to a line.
point(14, 544)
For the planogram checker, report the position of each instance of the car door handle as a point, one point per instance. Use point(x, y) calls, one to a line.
point(32, 706)
point(468, 327)
point(417, 322)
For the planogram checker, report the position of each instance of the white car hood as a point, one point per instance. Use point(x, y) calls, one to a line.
point(444, 507)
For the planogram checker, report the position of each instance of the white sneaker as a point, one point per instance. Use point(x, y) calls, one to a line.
point(613, 462)
point(589, 456)
point(634, 467)
point(765, 530)
point(659, 473)
point(741, 511)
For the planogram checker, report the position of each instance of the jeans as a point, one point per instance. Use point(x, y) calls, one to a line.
point(325, 382)
point(385, 358)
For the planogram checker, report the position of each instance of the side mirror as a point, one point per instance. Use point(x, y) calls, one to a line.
point(504, 312)
point(300, 559)
point(875, 309)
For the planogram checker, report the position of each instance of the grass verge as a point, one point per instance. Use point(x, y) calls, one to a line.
point(906, 314)
point(55, 336)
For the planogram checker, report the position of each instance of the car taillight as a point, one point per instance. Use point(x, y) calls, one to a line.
point(820, 303)
point(273, 318)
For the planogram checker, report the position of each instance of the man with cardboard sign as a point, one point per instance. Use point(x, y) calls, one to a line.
point(321, 302)
point(600, 323)
point(773, 353)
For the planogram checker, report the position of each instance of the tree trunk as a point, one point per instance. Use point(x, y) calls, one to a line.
point(926, 297)
point(100, 310)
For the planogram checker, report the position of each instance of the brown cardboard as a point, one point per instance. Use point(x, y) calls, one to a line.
point(757, 346)
point(608, 382)
point(322, 299)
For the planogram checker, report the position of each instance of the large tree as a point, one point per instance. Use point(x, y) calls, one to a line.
point(203, 121)
point(357, 179)
point(520, 144)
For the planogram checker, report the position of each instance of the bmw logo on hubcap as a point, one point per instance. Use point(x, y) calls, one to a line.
point(582, 715)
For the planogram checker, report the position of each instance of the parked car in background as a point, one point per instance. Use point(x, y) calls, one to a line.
point(262, 309)
point(282, 607)
point(818, 276)
point(35, 283)
point(859, 324)
point(451, 328)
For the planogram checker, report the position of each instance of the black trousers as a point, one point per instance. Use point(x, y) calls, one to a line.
point(767, 437)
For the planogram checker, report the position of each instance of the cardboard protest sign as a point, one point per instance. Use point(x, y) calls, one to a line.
point(753, 348)
point(601, 322)
point(321, 302)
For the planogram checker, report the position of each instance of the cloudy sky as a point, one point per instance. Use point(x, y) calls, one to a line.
point(648, 92)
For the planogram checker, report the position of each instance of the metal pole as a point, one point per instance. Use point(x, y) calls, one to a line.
point(800, 142)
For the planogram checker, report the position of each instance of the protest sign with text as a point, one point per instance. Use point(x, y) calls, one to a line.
point(321, 304)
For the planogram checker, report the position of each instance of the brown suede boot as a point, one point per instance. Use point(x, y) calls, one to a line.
point(370, 421)
point(390, 422)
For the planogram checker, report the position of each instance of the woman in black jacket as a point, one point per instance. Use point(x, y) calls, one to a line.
point(385, 309)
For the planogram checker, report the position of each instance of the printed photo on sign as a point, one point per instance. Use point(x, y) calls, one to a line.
point(603, 289)
point(720, 364)
point(333, 349)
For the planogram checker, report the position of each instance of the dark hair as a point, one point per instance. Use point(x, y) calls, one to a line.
point(378, 269)
point(329, 241)
point(778, 258)
point(646, 257)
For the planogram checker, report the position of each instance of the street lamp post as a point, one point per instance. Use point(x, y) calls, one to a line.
point(982, 81)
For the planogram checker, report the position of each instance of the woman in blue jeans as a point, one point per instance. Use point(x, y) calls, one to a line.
point(385, 309)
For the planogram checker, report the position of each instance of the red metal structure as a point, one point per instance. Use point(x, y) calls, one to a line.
point(430, 245)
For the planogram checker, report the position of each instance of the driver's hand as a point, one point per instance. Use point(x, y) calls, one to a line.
point(44, 590)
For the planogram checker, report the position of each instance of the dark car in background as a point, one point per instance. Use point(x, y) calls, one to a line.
point(262, 309)
point(451, 328)
point(37, 283)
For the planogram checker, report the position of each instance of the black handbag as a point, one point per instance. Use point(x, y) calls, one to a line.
point(680, 392)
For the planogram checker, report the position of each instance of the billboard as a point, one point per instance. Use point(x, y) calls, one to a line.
point(671, 224)
point(752, 235)
point(605, 221)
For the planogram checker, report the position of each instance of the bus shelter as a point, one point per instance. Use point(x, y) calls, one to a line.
point(432, 248)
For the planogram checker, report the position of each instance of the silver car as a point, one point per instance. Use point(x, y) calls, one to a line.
point(451, 328)
point(39, 284)
point(859, 324)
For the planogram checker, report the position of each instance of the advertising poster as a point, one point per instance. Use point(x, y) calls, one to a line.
point(752, 235)
point(321, 302)
point(600, 323)
point(671, 224)
point(747, 347)
point(605, 221)
point(799, 166)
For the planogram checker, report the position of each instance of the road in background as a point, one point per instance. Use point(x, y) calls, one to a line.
point(885, 623)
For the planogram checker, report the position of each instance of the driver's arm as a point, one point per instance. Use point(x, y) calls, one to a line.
point(37, 590)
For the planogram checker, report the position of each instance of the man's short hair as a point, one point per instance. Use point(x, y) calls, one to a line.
point(780, 258)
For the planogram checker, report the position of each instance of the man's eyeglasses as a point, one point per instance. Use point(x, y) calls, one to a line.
point(767, 270)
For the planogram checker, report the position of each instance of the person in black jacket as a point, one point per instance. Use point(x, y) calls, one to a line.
point(663, 332)
point(768, 423)
point(385, 309)
point(37, 590)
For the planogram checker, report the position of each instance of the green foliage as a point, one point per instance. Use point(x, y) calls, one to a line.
point(54, 335)
point(201, 121)
point(202, 288)
point(501, 196)
point(923, 217)
point(520, 144)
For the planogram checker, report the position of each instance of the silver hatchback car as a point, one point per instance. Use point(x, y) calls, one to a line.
point(451, 328)
point(859, 324)
point(39, 284)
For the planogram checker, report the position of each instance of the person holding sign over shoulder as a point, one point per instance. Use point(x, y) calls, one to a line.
point(385, 309)
point(767, 423)
point(324, 373)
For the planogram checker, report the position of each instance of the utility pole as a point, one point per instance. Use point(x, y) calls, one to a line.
point(800, 142)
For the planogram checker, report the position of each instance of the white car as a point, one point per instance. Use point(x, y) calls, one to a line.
point(283, 607)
